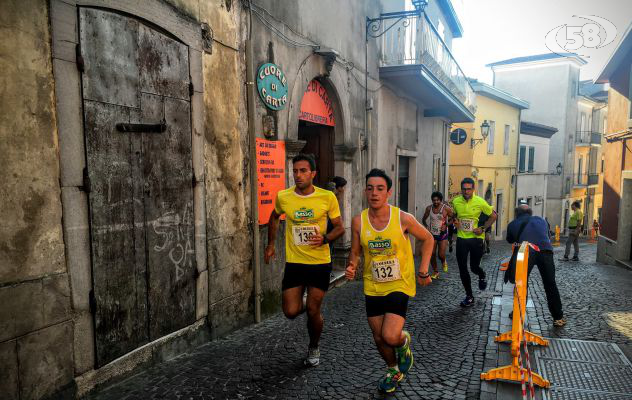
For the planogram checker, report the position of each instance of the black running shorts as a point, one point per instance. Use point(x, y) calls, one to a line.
point(311, 275)
point(393, 303)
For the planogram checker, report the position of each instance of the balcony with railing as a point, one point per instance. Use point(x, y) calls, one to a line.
point(585, 180)
point(415, 59)
point(587, 138)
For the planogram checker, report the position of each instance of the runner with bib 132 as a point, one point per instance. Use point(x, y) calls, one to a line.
point(381, 235)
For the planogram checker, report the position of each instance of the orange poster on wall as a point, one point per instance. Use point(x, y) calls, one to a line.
point(316, 106)
point(270, 175)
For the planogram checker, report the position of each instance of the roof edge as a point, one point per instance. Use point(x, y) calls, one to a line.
point(452, 17)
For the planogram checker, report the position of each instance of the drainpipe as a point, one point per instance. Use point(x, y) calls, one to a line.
point(515, 198)
point(254, 198)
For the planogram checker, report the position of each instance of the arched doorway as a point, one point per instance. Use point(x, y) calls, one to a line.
point(316, 127)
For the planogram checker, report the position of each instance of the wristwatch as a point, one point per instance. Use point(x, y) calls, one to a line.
point(325, 241)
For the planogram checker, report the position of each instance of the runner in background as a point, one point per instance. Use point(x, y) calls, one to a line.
point(438, 214)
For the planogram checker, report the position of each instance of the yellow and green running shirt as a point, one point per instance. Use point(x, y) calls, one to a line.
point(468, 212)
point(305, 215)
point(388, 257)
point(577, 218)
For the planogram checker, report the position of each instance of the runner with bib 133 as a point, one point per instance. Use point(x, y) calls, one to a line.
point(381, 235)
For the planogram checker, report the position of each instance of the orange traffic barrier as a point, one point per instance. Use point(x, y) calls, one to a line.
point(515, 372)
point(504, 264)
point(593, 236)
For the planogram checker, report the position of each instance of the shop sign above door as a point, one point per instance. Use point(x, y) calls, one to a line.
point(316, 106)
point(272, 86)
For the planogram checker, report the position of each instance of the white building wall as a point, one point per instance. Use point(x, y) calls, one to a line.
point(534, 184)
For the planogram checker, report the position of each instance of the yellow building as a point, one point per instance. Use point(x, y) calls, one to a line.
point(490, 160)
point(587, 183)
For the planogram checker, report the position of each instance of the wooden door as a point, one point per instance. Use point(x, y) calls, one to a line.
point(320, 143)
point(138, 151)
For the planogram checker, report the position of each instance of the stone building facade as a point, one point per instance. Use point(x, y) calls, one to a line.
point(129, 234)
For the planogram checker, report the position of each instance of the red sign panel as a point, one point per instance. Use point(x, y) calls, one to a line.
point(316, 106)
point(270, 175)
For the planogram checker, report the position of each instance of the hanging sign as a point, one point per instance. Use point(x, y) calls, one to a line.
point(316, 106)
point(272, 86)
point(270, 175)
point(458, 136)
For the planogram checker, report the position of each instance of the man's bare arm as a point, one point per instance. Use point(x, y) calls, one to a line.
point(426, 215)
point(413, 227)
point(273, 227)
point(356, 248)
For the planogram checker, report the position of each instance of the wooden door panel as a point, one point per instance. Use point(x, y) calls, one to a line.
point(169, 211)
point(109, 48)
point(164, 64)
point(120, 288)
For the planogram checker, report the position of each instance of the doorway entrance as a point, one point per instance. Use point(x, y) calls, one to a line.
point(499, 211)
point(317, 127)
point(137, 123)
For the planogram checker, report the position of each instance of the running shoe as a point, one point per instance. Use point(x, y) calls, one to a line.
point(565, 258)
point(575, 258)
point(482, 283)
point(445, 266)
point(467, 302)
point(389, 382)
point(435, 276)
point(559, 322)
point(313, 357)
point(404, 355)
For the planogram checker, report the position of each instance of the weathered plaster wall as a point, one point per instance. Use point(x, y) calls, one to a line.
point(34, 288)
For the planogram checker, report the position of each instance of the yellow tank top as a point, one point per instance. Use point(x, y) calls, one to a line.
point(388, 257)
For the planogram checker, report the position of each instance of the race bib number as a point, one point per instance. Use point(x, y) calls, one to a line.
point(386, 270)
point(435, 227)
point(303, 234)
point(467, 225)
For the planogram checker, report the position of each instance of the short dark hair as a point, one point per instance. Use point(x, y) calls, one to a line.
point(522, 211)
point(577, 204)
point(468, 180)
point(305, 157)
point(379, 173)
point(339, 181)
point(438, 195)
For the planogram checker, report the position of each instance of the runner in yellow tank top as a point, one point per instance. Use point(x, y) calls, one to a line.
point(381, 234)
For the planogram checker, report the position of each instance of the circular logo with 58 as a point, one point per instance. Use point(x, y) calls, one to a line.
point(592, 35)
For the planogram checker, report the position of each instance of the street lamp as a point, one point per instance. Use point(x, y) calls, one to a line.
point(484, 134)
point(558, 170)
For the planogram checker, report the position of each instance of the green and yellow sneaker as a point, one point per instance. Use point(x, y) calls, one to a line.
point(404, 355)
point(389, 382)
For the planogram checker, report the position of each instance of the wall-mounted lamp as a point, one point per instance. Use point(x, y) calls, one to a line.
point(329, 55)
point(484, 134)
point(558, 170)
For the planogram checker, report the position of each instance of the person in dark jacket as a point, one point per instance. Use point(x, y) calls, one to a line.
point(535, 231)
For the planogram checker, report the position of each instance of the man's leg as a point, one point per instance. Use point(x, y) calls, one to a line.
point(314, 316)
point(569, 240)
point(292, 302)
point(476, 253)
point(433, 258)
point(576, 245)
point(387, 336)
point(546, 266)
point(462, 251)
point(442, 245)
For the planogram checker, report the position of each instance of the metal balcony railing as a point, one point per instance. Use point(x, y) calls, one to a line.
point(415, 41)
point(583, 180)
point(587, 137)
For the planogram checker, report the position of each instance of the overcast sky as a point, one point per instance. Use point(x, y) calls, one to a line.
point(496, 30)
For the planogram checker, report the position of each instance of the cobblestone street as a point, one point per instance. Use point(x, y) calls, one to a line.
point(264, 361)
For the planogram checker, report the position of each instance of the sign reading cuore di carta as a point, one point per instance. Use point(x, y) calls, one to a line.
point(272, 86)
